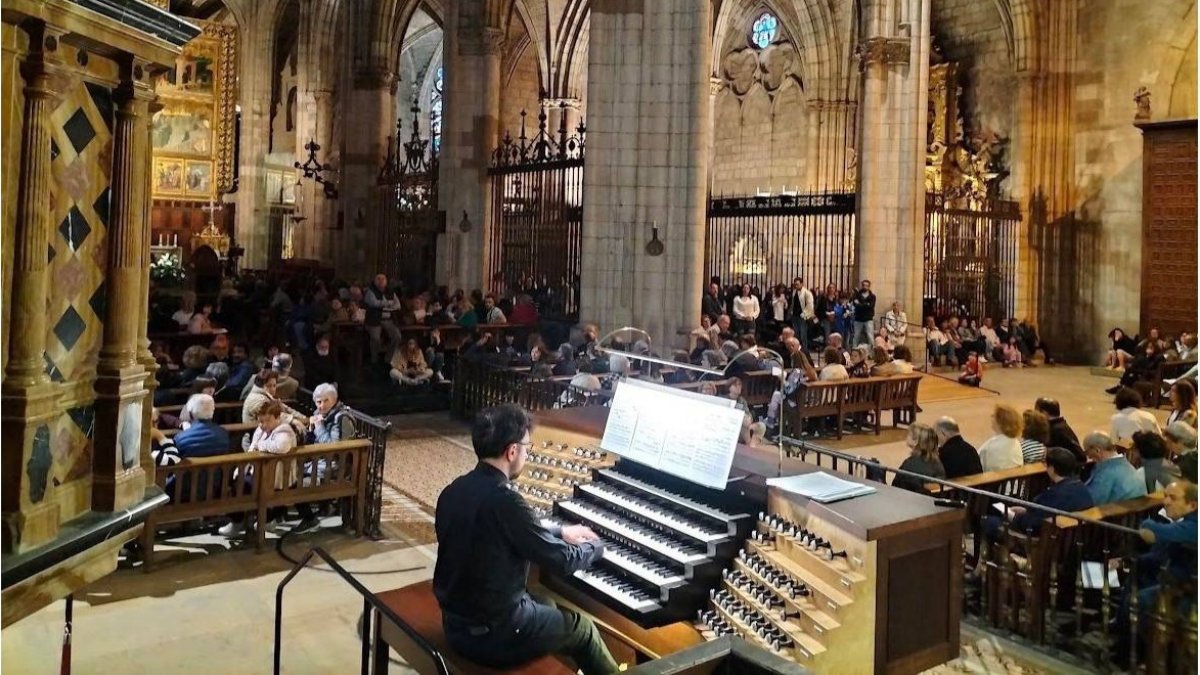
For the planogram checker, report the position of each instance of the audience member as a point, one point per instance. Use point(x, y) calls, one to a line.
point(1061, 434)
point(320, 365)
point(409, 366)
point(1180, 438)
point(958, 457)
point(895, 321)
point(187, 307)
point(826, 310)
point(1150, 452)
point(200, 323)
point(746, 311)
point(1065, 492)
point(1013, 358)
point(711, 305)
point(331, 422)
point(833, 370)
point(489, 313)
point(938, 347)
point(1173, 547)
point(864, 315)
point(1113, 478)
point(286, 386)
point(803, 311)
point(1035, 434)
point(381, 303)
point(203, 437)
point(923, 443)
point(1121, 348)
point(1003, 450)
point(1130, 417)
point(859, 367)
point(241, 370)
point(1143, 368)
point(162, 448)
point(972, 372)
point(1183, 403)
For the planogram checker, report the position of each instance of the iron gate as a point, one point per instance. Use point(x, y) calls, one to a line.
point(536, 233)
point(971, 258)
point(406, 208)
point(768, 240)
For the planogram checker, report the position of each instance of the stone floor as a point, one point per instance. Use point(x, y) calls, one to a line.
point(209, 606)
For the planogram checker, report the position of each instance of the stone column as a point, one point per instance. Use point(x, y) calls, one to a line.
point(372, 118)
point(470, 132)
point(31, 514)
point(891, 193)
point(251, 227)
point(119, 480)
point(649, 145)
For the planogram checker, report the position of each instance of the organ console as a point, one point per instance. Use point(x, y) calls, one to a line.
point(864, 585)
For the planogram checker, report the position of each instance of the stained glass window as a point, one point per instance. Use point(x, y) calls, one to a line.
point(435, 112)
point(764, 30)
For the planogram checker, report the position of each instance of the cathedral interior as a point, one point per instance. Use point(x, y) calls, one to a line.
point(563, 197)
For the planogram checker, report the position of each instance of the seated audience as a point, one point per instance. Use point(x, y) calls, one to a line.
point(489, 313)
point(972, 372)
point(923, 444)
point(1013, 358)
point(1113, 478)
point(187, 307)
point(162, 448)
point(1181, 439)
point(1121, 348)
point(203, 437)
point(320, 365)
point(1153, 338)
point(1183, 403)
point(331, 422)
point(1173, 546)
point(1003, 451)
point(859, 367)
point(1065, 492)
point(958, 457)
point(994, 346)
point(200, 323)
point(565, 364)
point(286, 386)
point(1130, 417)
point(1150, 453)
point(409, 366)
point(833, 370)
point(937, 344)
point(195, 362)
point(1143, 368)
point(263, 391)
point(1035, 434)
point(241, 370)
point(1061, 434)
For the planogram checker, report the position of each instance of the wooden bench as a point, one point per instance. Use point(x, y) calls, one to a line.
point(244, 482)
point(417, 607)
point(868, 396)
point(236, 433)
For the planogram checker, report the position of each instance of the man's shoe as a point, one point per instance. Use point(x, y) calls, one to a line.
point(232, 529)
point(306, 525)
point(1113, 390)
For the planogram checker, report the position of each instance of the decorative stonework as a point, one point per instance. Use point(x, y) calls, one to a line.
point(882, 51)
point(964, 169)
point(772, 68)
point(1142, 98)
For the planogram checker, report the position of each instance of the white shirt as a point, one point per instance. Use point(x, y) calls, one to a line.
point(779, 306)
point(989, 334)
point(183, 318)
point(806, 303)
point(936, 335)
point(833, 372)
point(897, 326)
point(1128, 421)
point(746, 308)
point(1000, 452)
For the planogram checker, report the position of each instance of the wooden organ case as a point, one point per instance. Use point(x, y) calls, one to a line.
point(871, 584)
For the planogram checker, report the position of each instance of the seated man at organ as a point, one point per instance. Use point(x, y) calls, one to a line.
point(487, 536)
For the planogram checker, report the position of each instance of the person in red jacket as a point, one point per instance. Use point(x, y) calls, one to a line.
point(524, 313)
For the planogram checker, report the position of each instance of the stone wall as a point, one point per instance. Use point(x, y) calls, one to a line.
point(971, 33)
point(520, 85)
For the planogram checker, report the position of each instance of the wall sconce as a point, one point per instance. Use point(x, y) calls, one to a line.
point(654, 247)
point(464, 225)
point(316, 170)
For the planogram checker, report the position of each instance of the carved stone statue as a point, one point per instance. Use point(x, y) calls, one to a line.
point(1142, 98)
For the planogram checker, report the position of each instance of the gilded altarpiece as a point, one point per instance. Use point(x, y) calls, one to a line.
point(193, 134)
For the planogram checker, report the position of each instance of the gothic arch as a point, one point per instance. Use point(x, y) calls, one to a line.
point(1181, 44)
point(568, 69)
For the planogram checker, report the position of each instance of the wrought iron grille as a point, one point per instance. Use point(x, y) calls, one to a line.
point(536, 231)
point(406, 208)
point(767, 240)
point(971, 258)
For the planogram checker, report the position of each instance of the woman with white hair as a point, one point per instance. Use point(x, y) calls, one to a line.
point(331, 422)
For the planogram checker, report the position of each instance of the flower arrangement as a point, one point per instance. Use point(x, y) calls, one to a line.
point(167, 270)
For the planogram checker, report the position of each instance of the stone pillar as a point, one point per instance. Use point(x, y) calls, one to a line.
point(372, 117)
point(649, 146)
point(891, 193)
point(255, 45)
point(470, 132)
point(119, 480)
point(31, 514)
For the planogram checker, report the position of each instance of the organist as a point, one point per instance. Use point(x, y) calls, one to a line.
point(487, 537)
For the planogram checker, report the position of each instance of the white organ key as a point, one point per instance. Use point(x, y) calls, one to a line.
point(633, 535)
point(619, 559)
point(663, 516)
point(622, 596)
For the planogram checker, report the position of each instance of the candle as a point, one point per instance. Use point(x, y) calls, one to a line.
point(175, 240)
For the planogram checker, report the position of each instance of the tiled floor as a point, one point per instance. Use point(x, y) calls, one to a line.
point(209, 607)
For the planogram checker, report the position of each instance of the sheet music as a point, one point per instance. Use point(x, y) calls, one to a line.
point(682, 433)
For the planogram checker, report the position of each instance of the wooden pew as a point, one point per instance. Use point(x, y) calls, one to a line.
point(236, 433)
point(1167, 370)
point(207, 487)
point(178, 343)
point(869, 396)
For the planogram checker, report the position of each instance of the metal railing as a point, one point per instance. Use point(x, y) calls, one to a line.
point(370, 629)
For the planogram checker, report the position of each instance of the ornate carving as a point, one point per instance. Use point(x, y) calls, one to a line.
point(883, 51)
point(771, 68)
point(1142, 98)
point(715, 84)
point(965, 170)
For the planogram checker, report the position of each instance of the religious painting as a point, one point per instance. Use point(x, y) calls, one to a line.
point(168, 176)
point(199, 178)
point(195, 126)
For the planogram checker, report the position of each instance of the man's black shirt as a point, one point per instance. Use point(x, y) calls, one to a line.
point(959, 458)
point(487, 536)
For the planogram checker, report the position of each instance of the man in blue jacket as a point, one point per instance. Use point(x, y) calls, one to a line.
point(204, 438)
point(1066, 492)
point(1113, 478)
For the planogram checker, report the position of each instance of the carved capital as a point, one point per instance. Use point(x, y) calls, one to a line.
point(882, 51)
point(376, 77)
point(487, 42)
point(715, 85)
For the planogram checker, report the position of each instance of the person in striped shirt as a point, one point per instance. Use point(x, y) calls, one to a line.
point(1035, 434)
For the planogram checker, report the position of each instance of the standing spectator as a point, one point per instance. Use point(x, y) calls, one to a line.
point(826, 308)
point(922, 441)
point(1130, 418)
point(864, 314)
point(1113, 478)
point(972, 372)
point(802, 308)
point(896, 324)
point(779, 308)
point(1003, 451)
point(844, 317)
point(1061, 433)
point(711, 304)
point(959, 457)
point(381, 302)
point(1035, 434)
point(745, 311)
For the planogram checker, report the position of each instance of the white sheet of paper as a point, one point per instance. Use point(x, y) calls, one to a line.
point(1093, 576)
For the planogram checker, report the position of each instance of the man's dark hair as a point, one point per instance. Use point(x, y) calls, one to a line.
point(1149, 445)
point(1048, 406)
point(498, 427)
point(902, 353)
point(1063, 462)
point(1127, 397)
